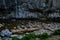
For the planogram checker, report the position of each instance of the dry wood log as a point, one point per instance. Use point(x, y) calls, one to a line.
point(24, 30)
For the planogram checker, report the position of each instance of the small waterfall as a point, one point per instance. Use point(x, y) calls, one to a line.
point(4, 3)
point(16, 6)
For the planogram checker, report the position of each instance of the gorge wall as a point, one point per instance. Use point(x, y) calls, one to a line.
point(28, 8)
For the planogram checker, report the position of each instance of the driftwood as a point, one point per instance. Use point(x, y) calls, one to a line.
point(23, 30)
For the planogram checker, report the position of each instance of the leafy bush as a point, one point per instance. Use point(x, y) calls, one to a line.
point(3, 39)
point(33, 36)
point(29, 36)
point(15, 38)
point(43, 36)
point(56, 32)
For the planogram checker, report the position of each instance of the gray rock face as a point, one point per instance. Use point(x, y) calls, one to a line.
point(20, 8)
point(56, 3)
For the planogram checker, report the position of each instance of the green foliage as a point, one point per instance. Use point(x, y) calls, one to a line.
point(25, 38)
point(3, 39)
point(43, 36)
point(33, 36)
point(56, 32)
point(15, 38)
point(30, 35)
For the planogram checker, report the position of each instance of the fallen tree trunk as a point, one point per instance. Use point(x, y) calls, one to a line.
point(24, 30)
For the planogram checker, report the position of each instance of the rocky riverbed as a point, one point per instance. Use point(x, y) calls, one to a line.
point(43, 27)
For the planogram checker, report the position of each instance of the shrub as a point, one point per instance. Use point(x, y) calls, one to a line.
point(43, 36)
point(56, 32)
point(15, 38)
point(29, 36)
point(3, 39)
